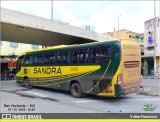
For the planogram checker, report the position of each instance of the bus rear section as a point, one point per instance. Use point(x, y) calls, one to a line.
point(130, 77)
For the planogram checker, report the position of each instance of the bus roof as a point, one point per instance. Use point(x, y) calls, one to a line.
point(63, 46)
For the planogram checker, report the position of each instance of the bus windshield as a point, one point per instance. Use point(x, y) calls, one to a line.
point(19, 64)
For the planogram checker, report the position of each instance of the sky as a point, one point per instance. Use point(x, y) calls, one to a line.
point(102, 14)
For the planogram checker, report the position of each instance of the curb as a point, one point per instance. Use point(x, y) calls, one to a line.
point(150, 77)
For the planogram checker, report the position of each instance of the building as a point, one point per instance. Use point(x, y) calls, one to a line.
point(10, 50)
point(88, 27)
point(128, 35)
point(152, 46)
point(131, 36)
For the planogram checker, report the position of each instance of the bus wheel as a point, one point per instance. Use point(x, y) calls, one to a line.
point(26, 83)
point(76, 90)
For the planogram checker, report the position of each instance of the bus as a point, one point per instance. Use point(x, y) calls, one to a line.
point(106, 68)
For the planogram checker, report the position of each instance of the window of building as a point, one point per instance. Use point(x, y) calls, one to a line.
point(14, 44)
point(150, 48)
point(35, 46)
point(1, 43)
point(87, 27)
point(131, 37)
point(142, 39)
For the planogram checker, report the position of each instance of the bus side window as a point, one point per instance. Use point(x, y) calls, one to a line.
point(46, 58)
point(40, 59)
point(86, 54)
point(94, 55)
point(109, 48)
point(59, 57)
point(116, 48)
point(35, 59)
point(106, 52)
point(63, 58)
point(19, 64)
point(97, 60)
point(52, 58)
point(31, 59)
point(83, 56)
point(91, 54)
point(66, 57)
point(75, 56)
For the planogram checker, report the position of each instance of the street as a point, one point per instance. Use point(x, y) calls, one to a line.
point(16, 98)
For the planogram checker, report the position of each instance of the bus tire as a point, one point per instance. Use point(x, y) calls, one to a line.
point(76, 90)
point(26, 83)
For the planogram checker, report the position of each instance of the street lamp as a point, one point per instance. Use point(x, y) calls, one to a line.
point(51, 9)
point(155, 62)
point(118, 26)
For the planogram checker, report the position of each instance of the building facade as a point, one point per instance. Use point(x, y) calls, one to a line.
point(128, 35)
point(152, 46)
point(10, 50)
point(88, 27)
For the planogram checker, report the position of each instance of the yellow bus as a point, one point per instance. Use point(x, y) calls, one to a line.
point(108, 68)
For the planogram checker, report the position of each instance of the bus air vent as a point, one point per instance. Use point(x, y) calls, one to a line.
point(104, 83)
point(130, 64)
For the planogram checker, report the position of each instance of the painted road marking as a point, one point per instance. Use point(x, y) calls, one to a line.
point(37, 94)
point(146, 99)
point(91, 101)
point(84, 101)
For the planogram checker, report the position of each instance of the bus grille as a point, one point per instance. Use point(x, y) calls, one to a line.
point(130, 64)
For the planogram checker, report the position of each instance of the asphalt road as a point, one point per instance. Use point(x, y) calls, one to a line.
point(16, 98)
point(151, 82)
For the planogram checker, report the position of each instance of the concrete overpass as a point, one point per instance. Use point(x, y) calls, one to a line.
point(25, 28)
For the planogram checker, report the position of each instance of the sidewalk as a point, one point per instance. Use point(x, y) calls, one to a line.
point(150, 86)
point(150, 77)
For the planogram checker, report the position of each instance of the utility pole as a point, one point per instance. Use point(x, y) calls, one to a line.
point(159, 44)
point(118, 26)
point(155, 62)
point(51, 9)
